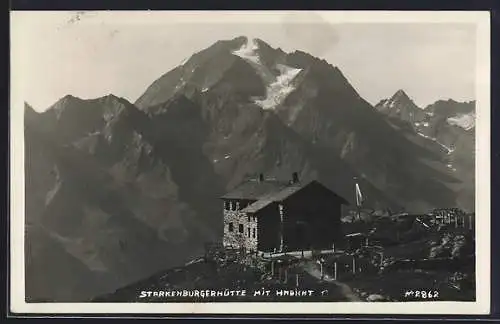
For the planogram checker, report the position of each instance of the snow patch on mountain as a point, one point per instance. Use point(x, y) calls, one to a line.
point(248, 52)
point(278, 85)
point(392, 103)
point(466, 121)
point(448, 149)
point(279, 89)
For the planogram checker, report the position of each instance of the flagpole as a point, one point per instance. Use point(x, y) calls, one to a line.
point(357, 193)
point(356, 197)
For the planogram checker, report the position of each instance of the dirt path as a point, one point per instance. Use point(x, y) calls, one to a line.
point(314, 270)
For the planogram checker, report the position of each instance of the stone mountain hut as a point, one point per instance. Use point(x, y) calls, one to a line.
point(267, 215)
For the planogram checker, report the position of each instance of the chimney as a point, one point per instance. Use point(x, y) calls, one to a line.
point(295, 177)
point(261, 177)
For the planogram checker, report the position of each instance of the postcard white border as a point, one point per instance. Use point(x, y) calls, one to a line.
point(482, 304)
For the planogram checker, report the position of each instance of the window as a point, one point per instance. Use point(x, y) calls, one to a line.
point(240, 229)
point(230, 205)
point(231, 227)
point(237, 205)
point(248, 218)
point(254, 218)
point(225, 205)
point(248, 232)
point(253, 233)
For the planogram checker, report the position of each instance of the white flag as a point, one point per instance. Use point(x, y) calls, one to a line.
point(359, 196)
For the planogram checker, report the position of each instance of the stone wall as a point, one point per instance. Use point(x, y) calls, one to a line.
point(235, 238)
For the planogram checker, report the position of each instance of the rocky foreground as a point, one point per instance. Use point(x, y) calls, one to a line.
point(209, 281)
point(440, 265)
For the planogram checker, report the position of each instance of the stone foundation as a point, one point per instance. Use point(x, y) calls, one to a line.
point(236, 239)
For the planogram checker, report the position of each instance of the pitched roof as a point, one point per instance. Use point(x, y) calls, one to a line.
point(256, 190)
point(272, 197)
point(266, 192)
point(256, 206)
point(286, 192)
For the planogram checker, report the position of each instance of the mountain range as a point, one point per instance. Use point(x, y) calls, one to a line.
point(447, 123)
point(116, 191)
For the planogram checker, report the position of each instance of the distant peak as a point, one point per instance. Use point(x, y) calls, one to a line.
point(240, 39)
point(66, 100)
point(259, 42)
point(69, 97)
point(248, 51)
point(401, 97)
point(401, 94)
point(399, 100)
point(236, 42)
point(111, 97)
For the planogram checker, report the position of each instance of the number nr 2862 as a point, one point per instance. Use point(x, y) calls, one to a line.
point(421, 294)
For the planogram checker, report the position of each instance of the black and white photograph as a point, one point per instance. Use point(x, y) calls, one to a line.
point(250, 162)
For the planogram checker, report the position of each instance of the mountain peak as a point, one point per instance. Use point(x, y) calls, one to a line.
point(67, 100)
point(232, 43)
point(456, 113)
point(248, 50)
point(261, 44)
point(399, 98)
point(401, 95)
point(401, 106)
point(111, 98)
point(240, 39)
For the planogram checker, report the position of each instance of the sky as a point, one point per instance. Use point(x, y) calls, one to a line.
point(93, 54)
